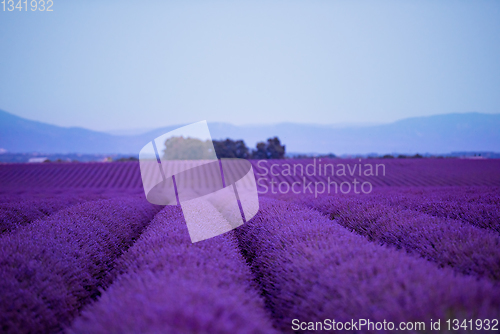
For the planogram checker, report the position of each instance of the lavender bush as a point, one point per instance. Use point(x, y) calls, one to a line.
point(166, 284)
point(479, 206)
point(53, 266)
point(312, 269)
point(28, 209)
point(448, 242)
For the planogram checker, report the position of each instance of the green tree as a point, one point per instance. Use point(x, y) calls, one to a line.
point(180, 148)
point(231, 149)
point(270, 150)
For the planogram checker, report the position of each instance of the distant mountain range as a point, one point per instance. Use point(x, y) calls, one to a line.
point(433, 134)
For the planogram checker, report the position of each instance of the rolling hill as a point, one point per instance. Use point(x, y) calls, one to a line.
point(432, 134)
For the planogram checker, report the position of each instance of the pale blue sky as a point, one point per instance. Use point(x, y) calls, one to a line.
point(136, 64)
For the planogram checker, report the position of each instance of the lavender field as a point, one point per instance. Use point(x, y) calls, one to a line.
point(401, 241)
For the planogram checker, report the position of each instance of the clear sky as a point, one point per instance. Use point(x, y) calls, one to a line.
point(136, 64)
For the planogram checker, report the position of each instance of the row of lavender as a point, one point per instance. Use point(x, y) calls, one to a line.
point(53, 266)
point(25, 209)
point(165, 284)
point(479, 206)
point(448, 242)
point(310, 268)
